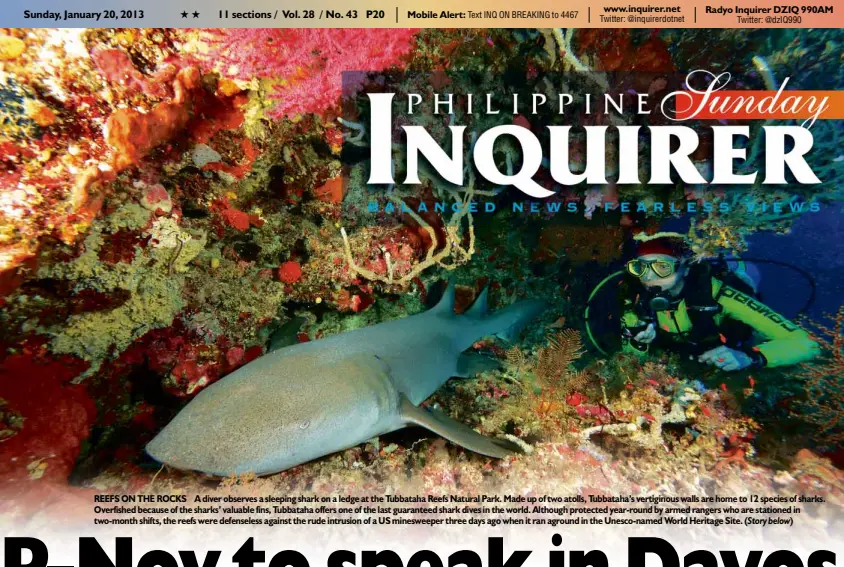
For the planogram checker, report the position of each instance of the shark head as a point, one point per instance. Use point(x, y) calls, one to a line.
point(287, 412)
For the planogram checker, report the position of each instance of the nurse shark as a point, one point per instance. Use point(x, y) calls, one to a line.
point(309, 400)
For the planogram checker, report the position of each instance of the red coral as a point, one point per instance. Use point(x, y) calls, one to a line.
point(252, 353)
point(615, 51)
point(234, 356)
point(311, 61)
point(361, 302)
point(423, 292)
point(576, 399)
point(233, 217)
point(592, 411)
point(430, 216)
point(334, 138)
point(213, 114)
point(520, 120)
point(290, 272)
point(155, 198)
point(57, 417)
point(236, 219)
point(464, 297)
point(117, 67)
point(357, 303)
point(189, 377)
point(238, 171)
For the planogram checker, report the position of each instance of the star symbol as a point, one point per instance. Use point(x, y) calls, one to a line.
point(184, 14)
point(196, 14)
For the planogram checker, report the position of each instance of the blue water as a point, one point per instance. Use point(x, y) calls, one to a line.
point(816, 245)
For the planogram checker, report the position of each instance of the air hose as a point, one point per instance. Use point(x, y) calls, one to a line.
point(588, 304)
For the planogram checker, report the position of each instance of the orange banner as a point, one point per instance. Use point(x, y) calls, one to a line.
point(761, 105)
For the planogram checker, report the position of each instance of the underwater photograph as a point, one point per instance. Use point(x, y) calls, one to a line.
point(224, 268)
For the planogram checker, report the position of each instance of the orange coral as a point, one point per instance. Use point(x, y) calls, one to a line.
point(332, 191)
point(132, 134)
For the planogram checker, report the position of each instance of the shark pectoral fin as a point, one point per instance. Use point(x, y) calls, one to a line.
point(472, 363)
point(456, 432)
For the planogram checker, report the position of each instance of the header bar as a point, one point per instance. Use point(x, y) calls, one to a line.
point(423, 14)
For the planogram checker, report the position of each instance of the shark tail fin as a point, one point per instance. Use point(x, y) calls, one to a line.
point(457, 432)
point(507, 323)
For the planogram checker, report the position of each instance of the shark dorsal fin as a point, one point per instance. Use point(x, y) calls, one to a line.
point(446, 303)
point(479, 307)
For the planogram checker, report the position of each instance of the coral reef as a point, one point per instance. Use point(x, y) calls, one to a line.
point(302, 64)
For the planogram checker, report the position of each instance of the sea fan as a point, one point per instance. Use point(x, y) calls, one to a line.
point(552, 367)
point(517, 361)
point(825, 384)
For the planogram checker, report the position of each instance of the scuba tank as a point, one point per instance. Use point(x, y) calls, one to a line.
point(737, 274)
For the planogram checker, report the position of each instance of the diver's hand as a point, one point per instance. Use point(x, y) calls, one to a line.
point(647, 336)
point(726, 358)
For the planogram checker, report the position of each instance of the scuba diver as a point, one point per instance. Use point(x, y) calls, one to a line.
point(712, 315)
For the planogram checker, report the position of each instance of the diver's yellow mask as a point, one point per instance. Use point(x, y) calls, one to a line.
point(662, 268)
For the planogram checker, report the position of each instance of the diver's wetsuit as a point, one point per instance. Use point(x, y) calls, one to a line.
point(777, 339)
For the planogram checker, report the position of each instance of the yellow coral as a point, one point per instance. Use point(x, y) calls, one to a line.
point(155, 295)
point(10, 47)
